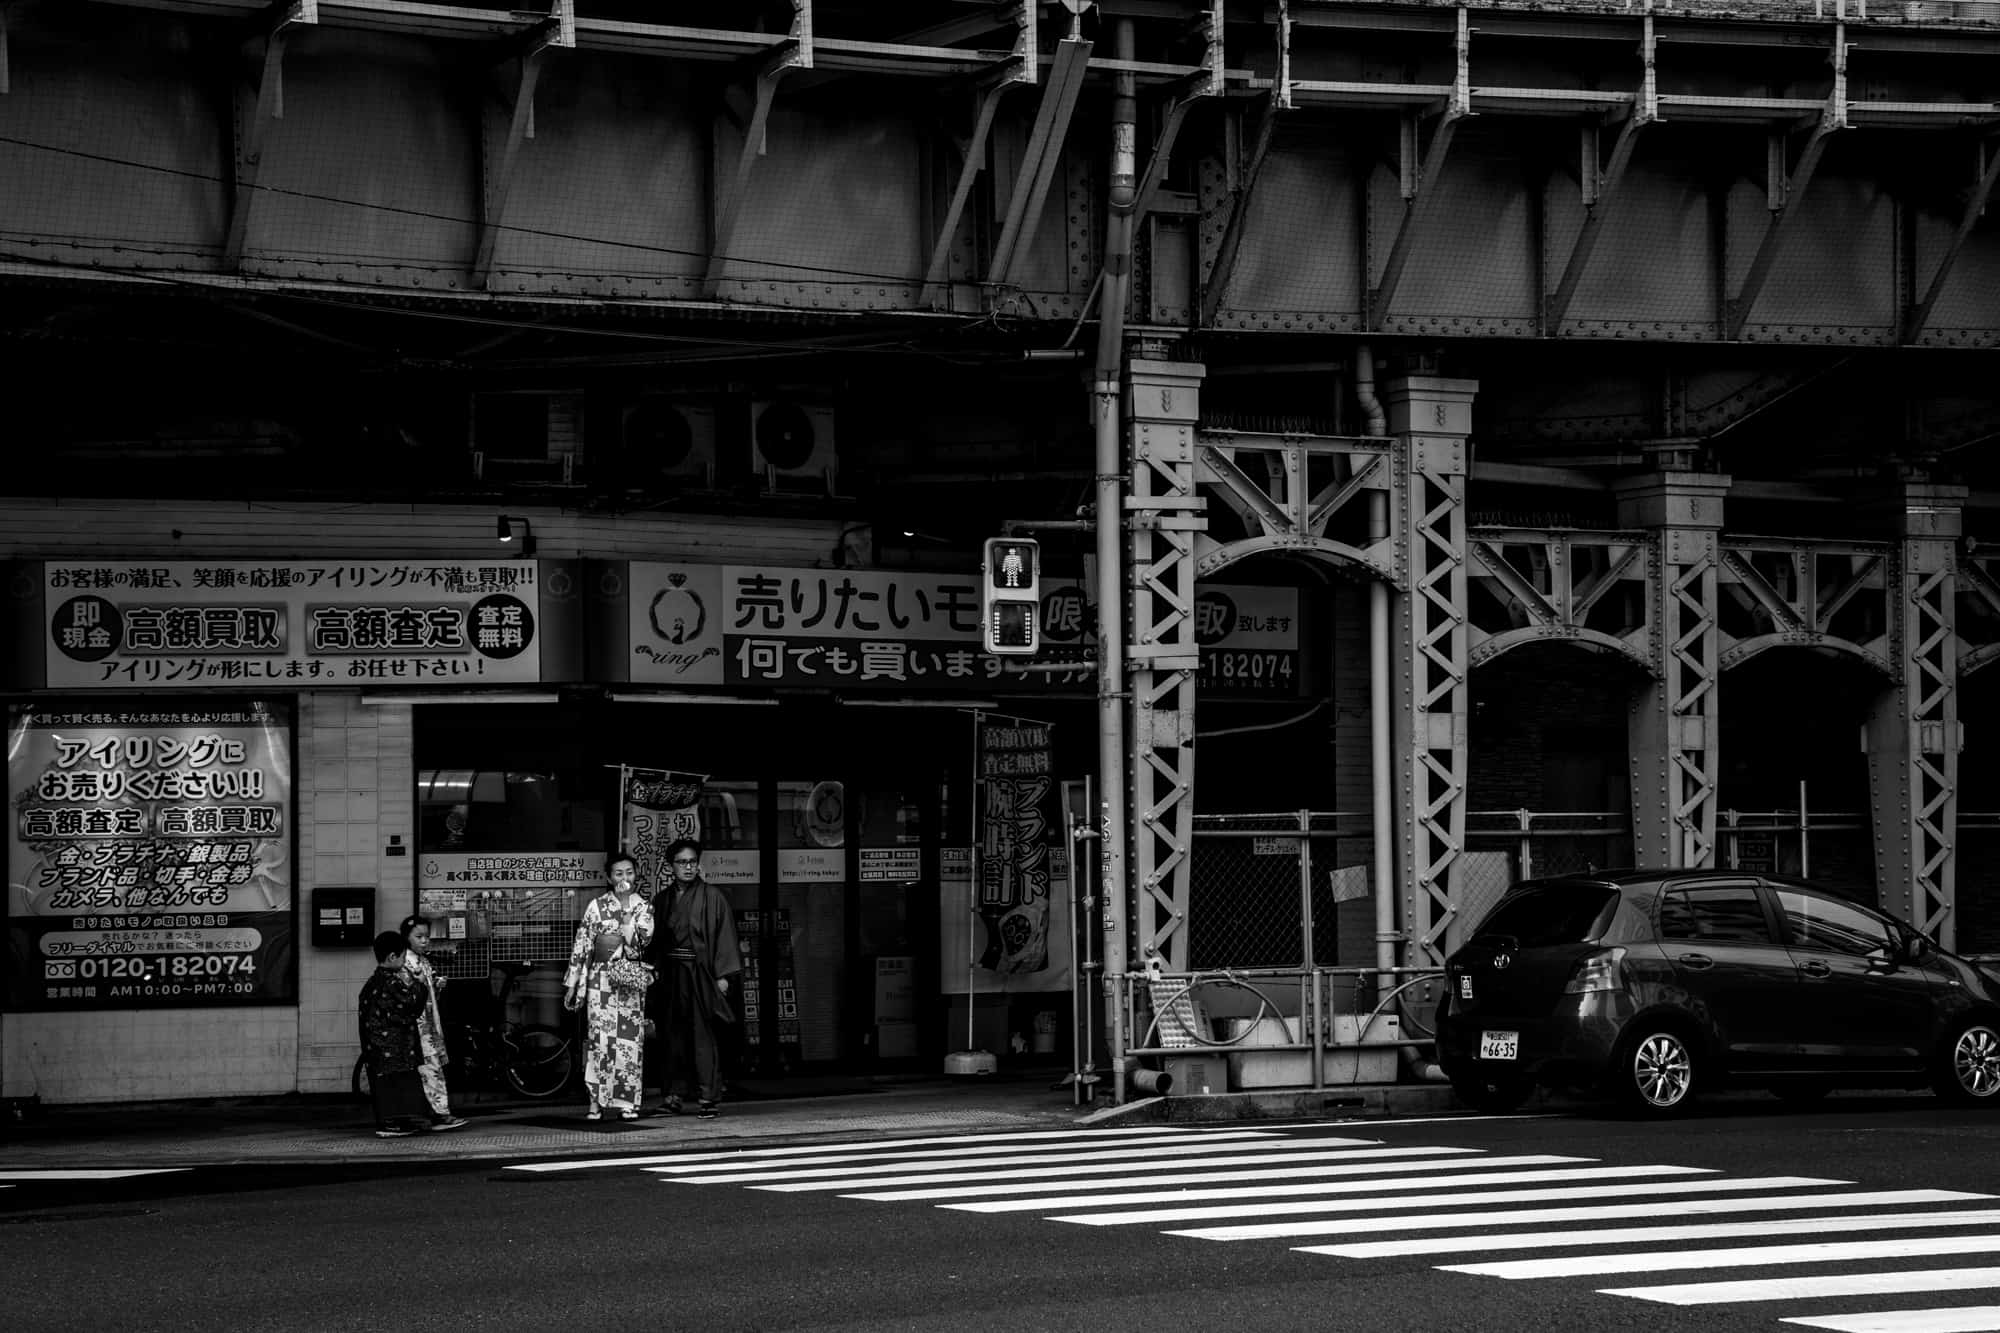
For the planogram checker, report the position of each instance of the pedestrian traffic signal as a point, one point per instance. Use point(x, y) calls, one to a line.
point(1010, 610)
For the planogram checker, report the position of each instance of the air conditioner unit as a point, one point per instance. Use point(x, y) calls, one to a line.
point(662, 439)
point(792, 445)
point(526, 439)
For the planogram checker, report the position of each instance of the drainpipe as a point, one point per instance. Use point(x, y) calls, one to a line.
point(1107, 388)
point(1380, 718)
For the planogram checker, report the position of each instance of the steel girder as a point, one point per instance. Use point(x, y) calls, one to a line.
point(1164, 520)
point(1913, 734)
point(1834, 596)
point(1433, 420)
point(1673, 742)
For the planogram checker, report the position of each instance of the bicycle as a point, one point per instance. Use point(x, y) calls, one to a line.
point(531, 1059)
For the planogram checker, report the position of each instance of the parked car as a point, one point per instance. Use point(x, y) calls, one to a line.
point(1654, 985)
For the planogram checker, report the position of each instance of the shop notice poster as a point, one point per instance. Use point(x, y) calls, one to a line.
point(656, 807)
point(1006, 913)
point(149, 859)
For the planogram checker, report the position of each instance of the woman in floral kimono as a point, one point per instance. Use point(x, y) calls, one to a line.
point(605, 973)
point(430, 1022)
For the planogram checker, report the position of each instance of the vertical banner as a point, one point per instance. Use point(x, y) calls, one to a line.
point(656, 807)
point(1006, 910)
point(149, 856)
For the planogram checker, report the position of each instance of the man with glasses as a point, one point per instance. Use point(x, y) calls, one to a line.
point(701, 961)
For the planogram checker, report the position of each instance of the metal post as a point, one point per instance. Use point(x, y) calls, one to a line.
point(1308, 1009)
point(1527, 820)
point(1805, 856)
point(1108, 389)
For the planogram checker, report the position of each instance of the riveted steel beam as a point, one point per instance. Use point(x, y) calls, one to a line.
point(1216, 285)
point(270, 106)
point(1433, 420)
point(1420, 192)
point(795, 53)
point(1163, 519)
point(558, 31)
point(1912, 734)
point(1920, 317)
point(1043, 156)
point(1786, 190)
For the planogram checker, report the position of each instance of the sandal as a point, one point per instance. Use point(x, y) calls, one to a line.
point(628, 1114)
point(593, 1114)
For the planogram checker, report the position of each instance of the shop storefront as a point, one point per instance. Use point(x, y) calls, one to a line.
point(227, 775)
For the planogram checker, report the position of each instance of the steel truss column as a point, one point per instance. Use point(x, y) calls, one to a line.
point(1432, 419)
point(1673, 738)
point(1913, 732)
point(1163, 518)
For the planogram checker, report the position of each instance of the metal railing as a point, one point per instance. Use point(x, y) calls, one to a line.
point(1170, 1014)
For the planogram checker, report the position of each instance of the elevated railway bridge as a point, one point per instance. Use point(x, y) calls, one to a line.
point(1651, 343)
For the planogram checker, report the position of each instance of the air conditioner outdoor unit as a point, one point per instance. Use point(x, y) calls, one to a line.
point(666, 439)
point(792, 445)
point(526, 439)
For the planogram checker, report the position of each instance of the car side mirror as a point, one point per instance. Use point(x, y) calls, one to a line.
point(1915, 948)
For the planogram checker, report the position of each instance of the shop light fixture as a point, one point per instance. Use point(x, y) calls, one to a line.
point(371, 699)
point(638, 697)
point(505, 532)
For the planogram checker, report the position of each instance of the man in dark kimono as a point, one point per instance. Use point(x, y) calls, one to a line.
point(391, 1000)
point(700, 961)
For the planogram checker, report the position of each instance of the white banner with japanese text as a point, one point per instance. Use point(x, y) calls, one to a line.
point(1004, 917)
point(240, 623)
point(905, 631)
point(149, 859)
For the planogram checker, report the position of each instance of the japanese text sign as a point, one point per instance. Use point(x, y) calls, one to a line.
point(907, 631)
point(132, 625)
point(150, 857)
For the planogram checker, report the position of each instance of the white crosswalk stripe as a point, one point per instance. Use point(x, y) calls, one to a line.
point(1808, 1241)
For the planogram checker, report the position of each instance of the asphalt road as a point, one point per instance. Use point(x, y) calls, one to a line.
point(1184, 1228)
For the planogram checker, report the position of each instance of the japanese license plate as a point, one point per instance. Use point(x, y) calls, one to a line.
point(1497, 1045)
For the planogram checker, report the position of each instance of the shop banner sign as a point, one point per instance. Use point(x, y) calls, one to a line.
point(149, 857)
point(1005, 924)
point(237, 624)
point(903, 631)
point(657, 807)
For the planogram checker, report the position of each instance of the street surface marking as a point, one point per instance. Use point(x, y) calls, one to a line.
point(1750, 1256)
point(1803, 1288)
point(1549, 1240)
point(1509, 1217)
point(993, 1153)
point(1161, 1189)
point(93, 1174)
point(946, 1141)
point(871, 1177)
point(1380, 1202)
point(1956, 1319)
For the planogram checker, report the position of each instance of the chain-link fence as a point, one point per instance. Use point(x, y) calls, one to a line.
point(1281, 890)
point(1504, 847)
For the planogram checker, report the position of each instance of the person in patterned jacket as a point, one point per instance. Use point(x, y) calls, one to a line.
point(391, 1000)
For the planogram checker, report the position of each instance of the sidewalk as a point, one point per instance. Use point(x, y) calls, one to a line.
point(333, 1130)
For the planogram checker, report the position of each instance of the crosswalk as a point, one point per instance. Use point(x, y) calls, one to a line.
point(1814, 1251)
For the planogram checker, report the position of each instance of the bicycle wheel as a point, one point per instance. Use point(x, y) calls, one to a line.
point(363, 1083)
point(537, 1061)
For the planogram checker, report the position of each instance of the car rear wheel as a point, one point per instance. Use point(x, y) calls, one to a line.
point(1495, 1095)
point(1656, 1071)
point(1968, 1067)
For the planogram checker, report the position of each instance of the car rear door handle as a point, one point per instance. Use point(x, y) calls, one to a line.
point(1696, 961)
point(1815, 968)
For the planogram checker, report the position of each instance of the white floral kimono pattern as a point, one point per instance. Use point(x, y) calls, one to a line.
point(614, 1053)
point(430, 1035)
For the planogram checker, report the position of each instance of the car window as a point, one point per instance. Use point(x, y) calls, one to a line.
point(1831, 926)
point(1554, 912)
point(1720, 913)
